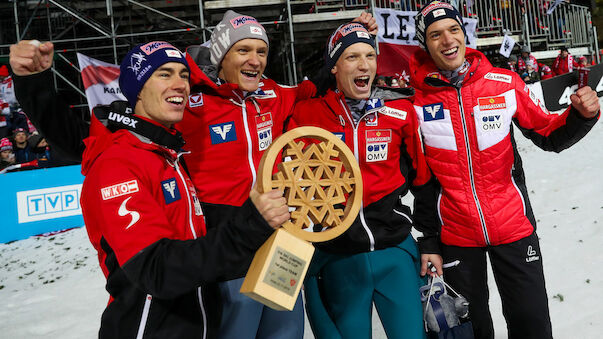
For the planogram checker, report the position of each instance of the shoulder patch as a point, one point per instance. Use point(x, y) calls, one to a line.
point(124, 188)
point(394, 113)
point(499, 77)
point(195, 100)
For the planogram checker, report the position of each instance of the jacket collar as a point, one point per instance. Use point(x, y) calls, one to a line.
point(426, 76)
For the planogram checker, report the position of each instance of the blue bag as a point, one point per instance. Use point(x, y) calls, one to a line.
point(445, 316)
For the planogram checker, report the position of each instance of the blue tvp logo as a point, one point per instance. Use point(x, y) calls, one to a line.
point(49, 203)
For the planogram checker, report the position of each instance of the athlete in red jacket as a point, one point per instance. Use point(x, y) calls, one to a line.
point(376, 260)
point(232, 116)
point(142, 212)
point(466, 109)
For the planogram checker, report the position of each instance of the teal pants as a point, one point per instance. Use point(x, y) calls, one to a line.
point(341, 289)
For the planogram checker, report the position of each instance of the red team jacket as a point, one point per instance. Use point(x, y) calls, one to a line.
point(227, 134)
point(564, 65)
point(470, 148)
point(143, 217)
point(388, 149)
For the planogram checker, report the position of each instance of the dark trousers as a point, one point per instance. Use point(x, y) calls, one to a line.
point(519, 277)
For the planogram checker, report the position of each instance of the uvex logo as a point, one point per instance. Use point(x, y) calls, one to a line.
point(122, 119)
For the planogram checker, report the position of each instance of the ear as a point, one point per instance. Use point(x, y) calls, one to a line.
point(334, 70)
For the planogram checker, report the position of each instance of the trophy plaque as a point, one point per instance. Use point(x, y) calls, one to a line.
point(323, 186)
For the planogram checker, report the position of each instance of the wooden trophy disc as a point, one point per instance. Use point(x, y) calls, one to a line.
point(316, 181)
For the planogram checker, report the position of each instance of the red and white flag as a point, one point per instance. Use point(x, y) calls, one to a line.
point(101, 80)
point(397, 42)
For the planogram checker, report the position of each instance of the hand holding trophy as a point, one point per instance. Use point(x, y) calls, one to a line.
point(323, 185)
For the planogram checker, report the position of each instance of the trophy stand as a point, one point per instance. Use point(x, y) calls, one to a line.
point(321, 176)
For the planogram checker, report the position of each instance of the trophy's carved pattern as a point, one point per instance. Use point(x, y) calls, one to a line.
point(321, 180)
point(315, 182)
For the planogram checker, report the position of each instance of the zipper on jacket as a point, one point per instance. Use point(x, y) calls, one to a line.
point(188, 197)
point(192, 226)
point(144, 317)
point(470, 167)
point(361, 214)
point(249, 143)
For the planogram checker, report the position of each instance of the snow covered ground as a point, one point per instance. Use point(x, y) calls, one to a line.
point(52, 287)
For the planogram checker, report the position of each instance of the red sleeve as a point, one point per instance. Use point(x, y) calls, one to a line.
point(414, 145)
point(128, 222)
point(551, 132)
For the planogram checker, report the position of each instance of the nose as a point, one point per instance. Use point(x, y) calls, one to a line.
point(179, 83)
point(254, 60)
point(363, 64)
point(447, 38)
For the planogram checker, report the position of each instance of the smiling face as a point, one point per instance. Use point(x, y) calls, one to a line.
point(245, 63)
point(163, 96)
point(445, 42)
point(355, 70)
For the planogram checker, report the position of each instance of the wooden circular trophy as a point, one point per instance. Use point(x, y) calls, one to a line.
point(323, 186)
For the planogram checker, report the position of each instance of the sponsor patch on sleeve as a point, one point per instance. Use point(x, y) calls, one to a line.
point(118, 190)
point(537, 102)
point(499, 77)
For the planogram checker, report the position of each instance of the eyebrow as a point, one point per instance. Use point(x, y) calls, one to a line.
point(171, 69)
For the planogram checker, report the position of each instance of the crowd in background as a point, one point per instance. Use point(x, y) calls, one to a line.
point(524, 63)
point(20, 143)
point(531, 70)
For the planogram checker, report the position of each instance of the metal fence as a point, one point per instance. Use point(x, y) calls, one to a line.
point(567, 25)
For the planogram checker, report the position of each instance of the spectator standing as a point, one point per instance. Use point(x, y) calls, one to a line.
point(525, 58)
point(7, 91)
point(564, 63)
point(466, 110)
point(512, 63)
point(582, 62)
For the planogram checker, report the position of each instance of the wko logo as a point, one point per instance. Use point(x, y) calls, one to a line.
point(49, 203)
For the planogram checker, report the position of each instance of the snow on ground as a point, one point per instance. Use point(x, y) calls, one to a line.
point(52, 287)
